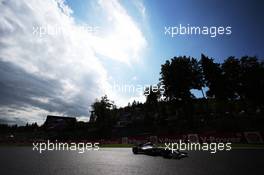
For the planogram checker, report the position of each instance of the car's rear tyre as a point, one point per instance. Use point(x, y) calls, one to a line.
point(135, 150)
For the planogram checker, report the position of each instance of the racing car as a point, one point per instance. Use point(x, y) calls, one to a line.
point(153, 150)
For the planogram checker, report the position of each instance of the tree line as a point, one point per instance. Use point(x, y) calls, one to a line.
point(234, 81)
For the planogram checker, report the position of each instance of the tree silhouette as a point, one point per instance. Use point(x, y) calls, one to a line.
point(252, 79)
point(214, 79)
point(232, 75)
point(179, 76)
point(102, 111)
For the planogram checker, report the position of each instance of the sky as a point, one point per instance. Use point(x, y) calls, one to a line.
point(57, 57)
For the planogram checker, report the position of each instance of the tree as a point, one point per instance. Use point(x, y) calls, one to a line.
point(252, 79)
point(232, 75)
point(179, 76)
point(102, 112)
point(213, 78)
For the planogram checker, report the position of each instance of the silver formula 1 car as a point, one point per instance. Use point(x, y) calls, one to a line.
point(153, 150)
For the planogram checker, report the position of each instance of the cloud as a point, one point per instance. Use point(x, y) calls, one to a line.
point(60, 71)
point(141, 7)
point(123, 40)
point(134, 78)
point(22, 91)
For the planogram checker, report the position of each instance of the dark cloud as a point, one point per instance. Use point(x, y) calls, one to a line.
point(14, 121)
point(20, 89)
